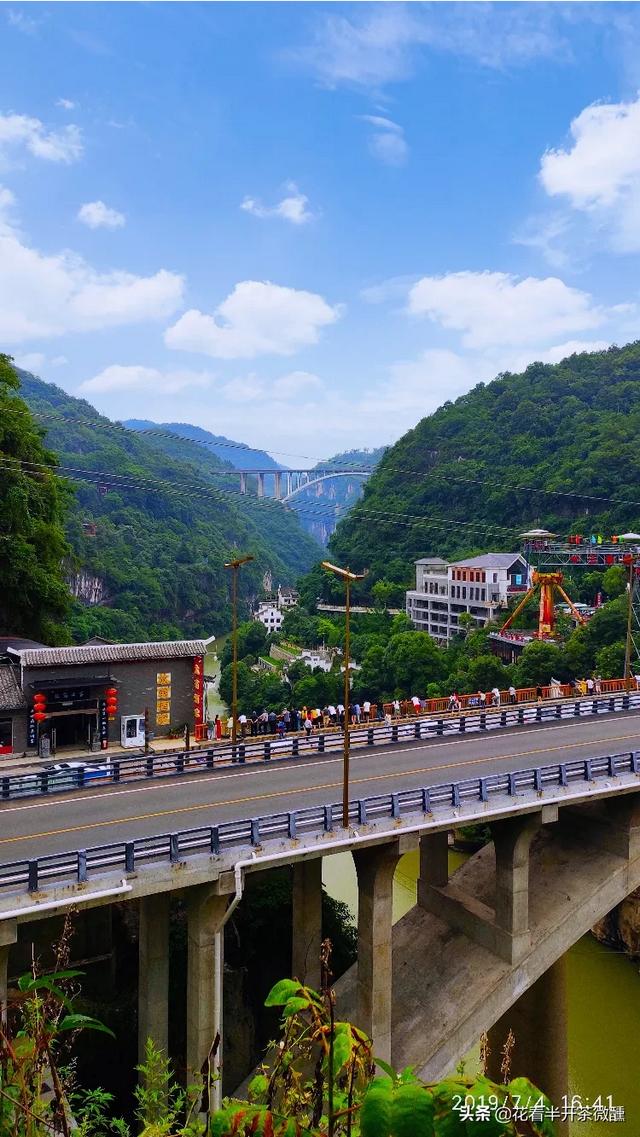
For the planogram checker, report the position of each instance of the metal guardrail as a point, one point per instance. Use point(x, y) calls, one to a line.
point(264, 749)
point(78, 866)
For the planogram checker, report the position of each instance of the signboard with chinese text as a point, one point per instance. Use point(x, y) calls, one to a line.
point(198, 689)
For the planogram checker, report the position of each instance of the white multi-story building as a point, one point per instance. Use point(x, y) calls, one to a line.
point(269, 615)
point(480, 586)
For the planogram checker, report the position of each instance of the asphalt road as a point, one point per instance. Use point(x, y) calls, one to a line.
point(96, 816)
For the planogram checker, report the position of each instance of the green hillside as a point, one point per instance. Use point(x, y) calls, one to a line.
point(150, 532)
point(473, 474)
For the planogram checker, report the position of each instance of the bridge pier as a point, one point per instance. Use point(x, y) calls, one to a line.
point(243, 482)
point(375, 868)
point(539, 1024)
point(307, 922)
point(153, 972)
point(260, 477)
point(277, 479)
point(205, 961)
point(503, 928)
point(8, 936)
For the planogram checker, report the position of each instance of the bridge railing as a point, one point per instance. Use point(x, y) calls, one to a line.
point(267, 749)
point(80, 865)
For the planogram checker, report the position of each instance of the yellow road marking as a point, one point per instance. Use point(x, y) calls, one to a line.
point(290, 792)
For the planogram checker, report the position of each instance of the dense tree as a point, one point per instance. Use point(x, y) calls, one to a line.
point(34, 598)
point(538, 663)
point(614, 581)
point(414, 661)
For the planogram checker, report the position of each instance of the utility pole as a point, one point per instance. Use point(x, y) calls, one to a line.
point(347, 576)
point(234, 566)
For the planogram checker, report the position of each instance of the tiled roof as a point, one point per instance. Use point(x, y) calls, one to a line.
point(11, 697)
point(110, 653)
point(432, 561)
point(489, 560)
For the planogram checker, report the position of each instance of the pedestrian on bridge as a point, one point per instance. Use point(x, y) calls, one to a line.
point(513, 695)
point(495, 696)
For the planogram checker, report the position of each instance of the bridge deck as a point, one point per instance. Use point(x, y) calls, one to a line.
point(35, 828)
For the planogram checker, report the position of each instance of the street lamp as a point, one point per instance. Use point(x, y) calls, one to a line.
point(346, 575)
point(234, 566)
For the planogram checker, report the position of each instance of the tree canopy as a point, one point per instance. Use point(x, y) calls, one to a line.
point(34, 599)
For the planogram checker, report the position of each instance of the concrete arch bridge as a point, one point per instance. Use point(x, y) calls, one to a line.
point(284, 485)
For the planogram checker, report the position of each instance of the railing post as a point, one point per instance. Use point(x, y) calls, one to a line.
point(241, 753)
point(520, 716)
point(267, 751)
point(149, 766)
point(462, 725)
point(576, 709)
point(395, 806)
point(255, 830)
point(215, 841)
point(612, 766)
point(594, 707)
point(625, 702)
point(210, 759)
point(558, 710)
point(6, 787)
point(512, 785)
point(537, 780)
point(483, 721)
point(43, 779)
point(80, 777)
point(455, 795)
point(538, 714)
point(394, 732)
point(484, 796)
point(370, 736)
point(426, 800)
point(328, 818)
point(362, 811)
point(563, 774)
point(612, 704)
point(416, 730)
point(32, 876)
point(503, 718)
point(180, 763)
point(588, 772)
point(440, 726)
point(174, 847)
point(291, 825)
point(321, 744)
point(130, 856)
point(82, 864)
point(295, 749)
point(115, 771)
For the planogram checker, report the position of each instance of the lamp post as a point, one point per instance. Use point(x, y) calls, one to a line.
point(630, 559)
point(234, 566)
point(346, 575)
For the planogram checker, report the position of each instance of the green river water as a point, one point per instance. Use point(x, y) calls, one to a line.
point(603, 1003)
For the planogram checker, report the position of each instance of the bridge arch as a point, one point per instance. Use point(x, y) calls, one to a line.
point(325, 477)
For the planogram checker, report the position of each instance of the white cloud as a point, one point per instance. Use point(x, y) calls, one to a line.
point(36, 361)
point(493, 308)
point(19, 131)
point(295, 384)
point(245, 389)
point(43, 295)
point(257, 318)
point(66, 104)
point(599, 173)
point(31, 361)
point(22, 22)
point(293, 207)
point(386, 140)
point(121, 378)
point(97, 215)
point(383, 44)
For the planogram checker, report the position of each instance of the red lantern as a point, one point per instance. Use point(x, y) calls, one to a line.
point(111, 692)
point(39, 700)
point(39, 716)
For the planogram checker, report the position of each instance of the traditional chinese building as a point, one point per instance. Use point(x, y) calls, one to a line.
point(88, 696)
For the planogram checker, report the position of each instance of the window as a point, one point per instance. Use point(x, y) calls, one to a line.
point(6, 736)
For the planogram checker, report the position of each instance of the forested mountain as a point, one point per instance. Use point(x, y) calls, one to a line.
point(319, 508)
point(149, 531)
point(546, 447)
point(34, 599)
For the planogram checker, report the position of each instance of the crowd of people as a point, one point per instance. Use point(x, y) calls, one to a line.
point(309, 719)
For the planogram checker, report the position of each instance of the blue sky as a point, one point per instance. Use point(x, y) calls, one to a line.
point(307, 225)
